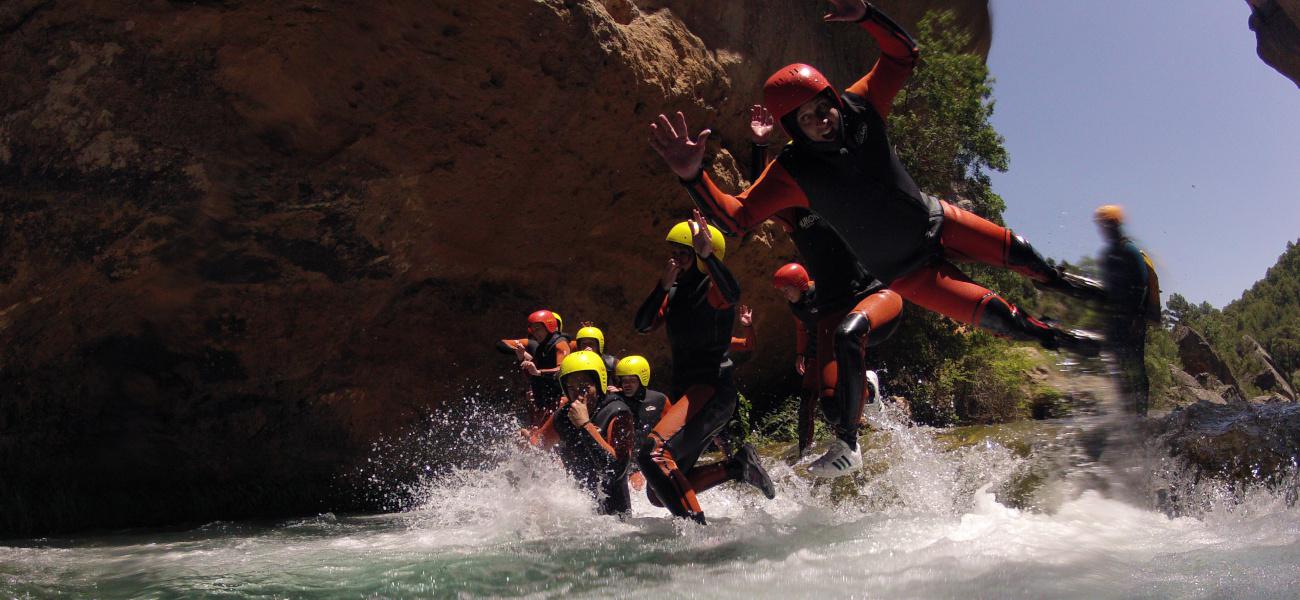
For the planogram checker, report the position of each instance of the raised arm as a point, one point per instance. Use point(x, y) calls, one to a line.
point(732, 214)
point(898, 55)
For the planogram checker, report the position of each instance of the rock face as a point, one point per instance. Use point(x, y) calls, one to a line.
point(243, 240)
point(1267, 377)
point(1276, 24)
point(1198, 357)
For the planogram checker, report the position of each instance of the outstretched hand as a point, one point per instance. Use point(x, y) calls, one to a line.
point(845, 10)
point(746, 315)
point(760, 124)
point(683, 154)
point(701, 235)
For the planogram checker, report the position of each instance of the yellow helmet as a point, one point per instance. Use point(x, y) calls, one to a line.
point(682, 233)
point(559, 321)
point(593, 333)
point(584, 360)
point(634, 365)
point(1109, 213)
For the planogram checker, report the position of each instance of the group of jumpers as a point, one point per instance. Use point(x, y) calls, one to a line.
point(867, 238)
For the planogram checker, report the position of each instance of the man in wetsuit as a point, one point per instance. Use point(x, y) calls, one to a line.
point(695, 299)
point(842, 169)
point(593, 432)
point(800, 291)
point(1130, 304)
point(540, 356)
point(592, 338)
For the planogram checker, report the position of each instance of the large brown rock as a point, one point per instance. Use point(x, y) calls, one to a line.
point(242, 241)
point(1198, 357)
point(1276, 24)
point(1266, 377)
point(1243, 443)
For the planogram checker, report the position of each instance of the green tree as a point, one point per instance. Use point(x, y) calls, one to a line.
point(940, 125)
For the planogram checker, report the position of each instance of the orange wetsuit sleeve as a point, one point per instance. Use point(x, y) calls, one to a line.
point(747, 342)
point(545, 436)
point(898, 54)
point(621, 437)
point(800, 337)
point(775, 190)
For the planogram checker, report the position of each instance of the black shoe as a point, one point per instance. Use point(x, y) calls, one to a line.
point(1084, 343)
point(1074, 285)
point(749, 470)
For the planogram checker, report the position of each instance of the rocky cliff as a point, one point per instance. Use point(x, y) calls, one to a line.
point(242, 240)
point(1276, 24)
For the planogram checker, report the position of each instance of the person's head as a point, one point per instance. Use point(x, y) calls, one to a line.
point(583, 375)
point(681, 243)
point(542, 323)
point(633, 373)
point(1110, 219)
point(804, 102)
point(792, 281)
point(590, 338)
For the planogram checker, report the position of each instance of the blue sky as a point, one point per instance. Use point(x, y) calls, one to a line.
point(1163, 107)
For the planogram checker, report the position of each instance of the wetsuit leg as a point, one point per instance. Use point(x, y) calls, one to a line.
point(808, 395)
point(852, 338)
point(969, 237)
point(684, 431)
point(944, 289)
point(614, 496)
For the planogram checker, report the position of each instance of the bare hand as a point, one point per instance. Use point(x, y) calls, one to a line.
point(578, 413)
point(613, 389)
point(800, 364)
point(701, 235)
point(588, 323)
point(760, 124)
point(683, 154)
point(529, 368)
point(746, 315)
point(845, 10)
point(670, 274)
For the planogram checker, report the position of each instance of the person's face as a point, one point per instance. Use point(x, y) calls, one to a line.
point(1108, 230)
point(682, 255)
point(790, 293)
point(819, 119)
point(538, 331)
point(581, 385)
point(630, 384)
point(588, 344)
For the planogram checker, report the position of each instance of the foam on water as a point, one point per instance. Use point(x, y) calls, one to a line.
point(923, 522)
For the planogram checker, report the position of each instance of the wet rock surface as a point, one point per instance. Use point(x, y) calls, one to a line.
point(1247, 442)
point(241, 241)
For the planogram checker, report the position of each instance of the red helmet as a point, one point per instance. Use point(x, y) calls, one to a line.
point(546, 318)
point(791, 86)
point(792, 275)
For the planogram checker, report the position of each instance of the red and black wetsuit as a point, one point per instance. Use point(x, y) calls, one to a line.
point(546, 389)
point(597, 455)
point(858, 188)
point(698, 312)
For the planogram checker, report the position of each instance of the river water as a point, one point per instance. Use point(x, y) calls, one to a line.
point(925, 521)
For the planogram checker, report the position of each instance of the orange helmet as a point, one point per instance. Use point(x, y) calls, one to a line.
point(791, 86)
point(1109, 213)
point(547, 318)
point(792, 275)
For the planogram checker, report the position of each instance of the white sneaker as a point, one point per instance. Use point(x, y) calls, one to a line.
point(837, 461)
point(873, 387)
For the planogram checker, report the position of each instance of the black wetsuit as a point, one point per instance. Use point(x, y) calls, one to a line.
point(589, 463)
point(699, 315)
point(1124, 275)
